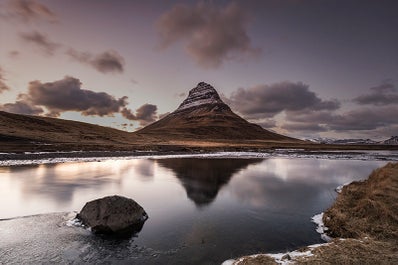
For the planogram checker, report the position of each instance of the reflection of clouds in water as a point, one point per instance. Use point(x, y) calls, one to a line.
point(286, 183)
point(60, 181)
point(145, 169)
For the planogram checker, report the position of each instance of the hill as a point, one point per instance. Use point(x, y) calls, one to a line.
point(25, 132)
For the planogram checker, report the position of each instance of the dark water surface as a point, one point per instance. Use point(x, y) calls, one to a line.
point(201, 211)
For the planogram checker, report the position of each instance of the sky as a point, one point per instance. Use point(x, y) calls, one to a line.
point(303, 68)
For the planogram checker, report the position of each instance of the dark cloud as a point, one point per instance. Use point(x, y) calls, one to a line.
point(67, 95)
point(41, 41)
point(145, 114)
point(360, 119)
point(365, 119)
point(22, 107)
point(212, 34)
point(29, 11)
point(269, 100)
point(383, 94)
point(106, 62)
point(3, 85)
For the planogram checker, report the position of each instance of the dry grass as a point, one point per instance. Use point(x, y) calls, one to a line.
point(353, 251)
point(368, 208)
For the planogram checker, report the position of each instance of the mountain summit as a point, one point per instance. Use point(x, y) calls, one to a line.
point(203, 115)
point(202, 94)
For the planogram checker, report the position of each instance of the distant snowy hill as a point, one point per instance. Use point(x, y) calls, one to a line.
point(392, 141)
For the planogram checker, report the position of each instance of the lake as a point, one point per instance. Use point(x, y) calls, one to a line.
point(201, 210)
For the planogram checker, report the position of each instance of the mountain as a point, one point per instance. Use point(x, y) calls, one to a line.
point(203, 115)
point(343, 141)
point(392, 141)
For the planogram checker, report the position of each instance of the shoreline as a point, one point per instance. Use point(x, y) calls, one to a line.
point(36, 158)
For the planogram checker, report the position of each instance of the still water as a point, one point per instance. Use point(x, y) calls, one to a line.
point(201, 211)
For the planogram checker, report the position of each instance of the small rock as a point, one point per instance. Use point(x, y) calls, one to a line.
point(113, 215)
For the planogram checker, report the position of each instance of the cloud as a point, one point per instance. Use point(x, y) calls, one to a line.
point(268, 100)
point(365, 119)
point(22, 107)
point(303, 127)
point(145, 114)
point(359, 119)
point(212, 34)
point(381, 95)
point(29, 11)
point(67, 95)
point(3, 85)
point(105, 62)
point(14, 54)
point(41, 41)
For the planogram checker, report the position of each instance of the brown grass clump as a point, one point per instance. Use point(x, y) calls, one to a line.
point(368, 208)
point(352, 251)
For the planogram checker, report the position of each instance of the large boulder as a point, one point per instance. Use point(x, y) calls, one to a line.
point(113, 215)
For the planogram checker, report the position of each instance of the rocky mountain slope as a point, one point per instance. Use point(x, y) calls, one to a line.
point(203, 115)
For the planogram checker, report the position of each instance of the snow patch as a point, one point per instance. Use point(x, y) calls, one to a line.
point(74, 222)
point(339, 189)
point(280, 258)
point(321, 228)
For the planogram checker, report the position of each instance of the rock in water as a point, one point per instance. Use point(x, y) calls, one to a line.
point(113, 215)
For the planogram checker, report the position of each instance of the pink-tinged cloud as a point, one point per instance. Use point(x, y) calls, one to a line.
point(67, 95)
point(22, 107)
point(145, 114)
point(211, 34)
point(30, 11)
point(105, 62)
point(41, 41)
point(381, 95)
point(269, 100)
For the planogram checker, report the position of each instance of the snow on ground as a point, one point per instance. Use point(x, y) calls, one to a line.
point(280, 258)
point(321, 228)
point(339, 189)
point(80, 156)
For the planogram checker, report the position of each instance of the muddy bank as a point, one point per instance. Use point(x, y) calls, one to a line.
point(363, 220)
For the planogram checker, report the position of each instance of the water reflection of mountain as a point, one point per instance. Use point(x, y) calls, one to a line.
point(203, 178)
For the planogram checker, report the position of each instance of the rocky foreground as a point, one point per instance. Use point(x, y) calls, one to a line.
point(363, 222)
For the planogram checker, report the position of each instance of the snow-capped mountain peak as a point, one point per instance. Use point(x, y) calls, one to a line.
point(202, 94)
